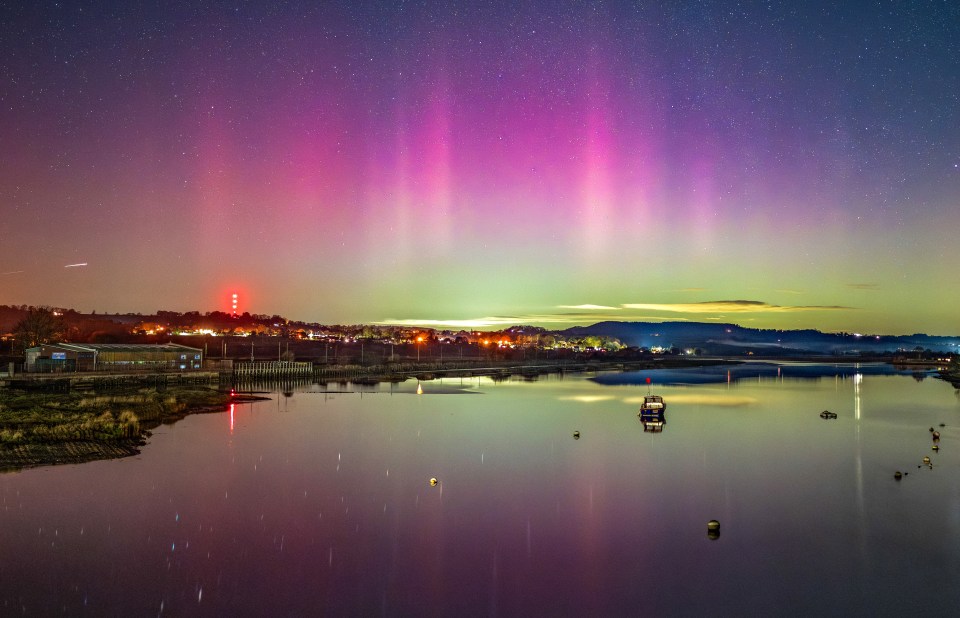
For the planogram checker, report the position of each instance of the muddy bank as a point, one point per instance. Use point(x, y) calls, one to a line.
point(38, 429)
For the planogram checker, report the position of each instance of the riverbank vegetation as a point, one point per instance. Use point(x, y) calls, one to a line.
point(42, 428)
point(952, 373)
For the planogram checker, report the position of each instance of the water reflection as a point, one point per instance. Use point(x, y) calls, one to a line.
point(324, 505)
point(752, 370)
point(653, 423)
point(857, 380)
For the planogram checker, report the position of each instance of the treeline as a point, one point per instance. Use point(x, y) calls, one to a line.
point(29, 325)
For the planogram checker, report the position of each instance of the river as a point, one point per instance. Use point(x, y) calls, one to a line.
point(319, 502)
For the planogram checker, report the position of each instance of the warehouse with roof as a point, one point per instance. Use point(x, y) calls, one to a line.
point(59, 357)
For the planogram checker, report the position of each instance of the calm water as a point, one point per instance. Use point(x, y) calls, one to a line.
point(320, 503)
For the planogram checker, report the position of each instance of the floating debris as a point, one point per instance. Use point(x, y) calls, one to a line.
point(828, 414)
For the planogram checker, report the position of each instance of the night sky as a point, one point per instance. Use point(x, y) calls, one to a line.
point(772, 164)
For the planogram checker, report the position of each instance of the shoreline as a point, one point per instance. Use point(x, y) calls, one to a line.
point(950, 375)
point(40, 429)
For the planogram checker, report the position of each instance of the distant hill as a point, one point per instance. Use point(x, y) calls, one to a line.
point(733, 339)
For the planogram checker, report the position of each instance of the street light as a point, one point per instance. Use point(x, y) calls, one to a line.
point(419, 341)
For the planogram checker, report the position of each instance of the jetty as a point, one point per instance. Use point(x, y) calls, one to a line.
point(247, 370)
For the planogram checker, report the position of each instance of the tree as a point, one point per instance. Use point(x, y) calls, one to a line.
point(41, 325)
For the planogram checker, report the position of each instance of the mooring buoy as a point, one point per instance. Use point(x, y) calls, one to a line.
point(433, 482)
point(926, 460)
point(576, 435)
point(713, 529)
point(898, 475)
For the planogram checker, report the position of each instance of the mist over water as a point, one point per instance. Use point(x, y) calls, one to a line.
point(320, 502)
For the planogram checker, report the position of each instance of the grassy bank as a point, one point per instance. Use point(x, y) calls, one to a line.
point(42, 429)
point(951, 375)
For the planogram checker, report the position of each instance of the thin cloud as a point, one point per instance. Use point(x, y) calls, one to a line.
point(466, 323)
point(589, 307)
point(731, 306)
point(590, 314)
point(547, 320)
point(484, 322)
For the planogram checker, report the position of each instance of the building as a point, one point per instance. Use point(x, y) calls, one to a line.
point(58, 357)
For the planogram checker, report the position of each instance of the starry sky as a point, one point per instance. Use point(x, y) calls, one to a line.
point(770, 164)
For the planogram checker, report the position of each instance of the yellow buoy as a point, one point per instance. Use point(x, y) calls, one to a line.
point(713, 529)
point(433, 482)
point(926, 460)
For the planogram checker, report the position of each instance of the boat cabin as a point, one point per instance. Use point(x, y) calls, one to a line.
point(652, 405)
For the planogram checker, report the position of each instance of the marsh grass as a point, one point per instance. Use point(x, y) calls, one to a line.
point(42, 418)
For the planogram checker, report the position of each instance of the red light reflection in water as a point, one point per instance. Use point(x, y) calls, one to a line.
point(232, 405)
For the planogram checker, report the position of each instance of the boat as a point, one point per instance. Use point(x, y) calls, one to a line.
point(651, 413)
point(652, 406)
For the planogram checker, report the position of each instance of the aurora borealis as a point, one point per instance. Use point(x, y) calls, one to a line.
point(788, 165)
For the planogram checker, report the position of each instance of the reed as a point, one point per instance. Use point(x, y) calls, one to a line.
point(45, 428)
